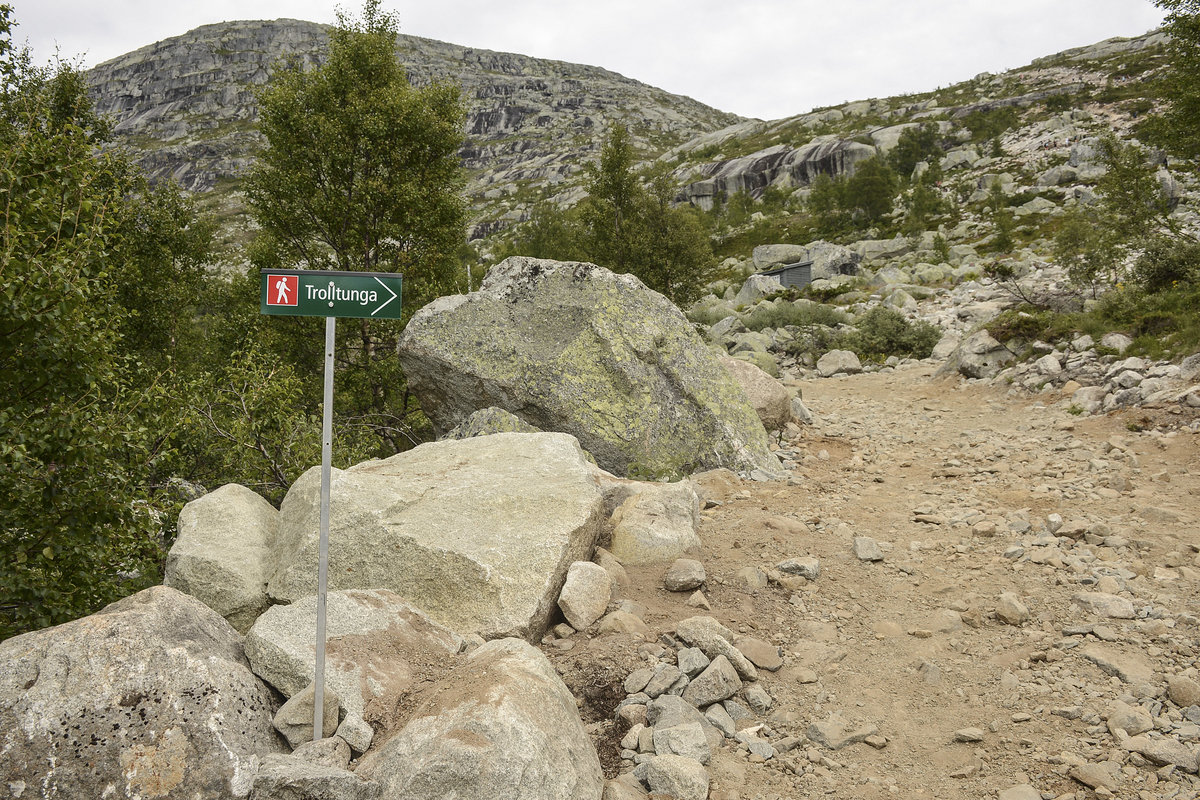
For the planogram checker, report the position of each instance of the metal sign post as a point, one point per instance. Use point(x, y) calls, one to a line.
point(313, 293)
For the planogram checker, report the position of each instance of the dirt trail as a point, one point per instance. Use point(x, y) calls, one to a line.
point(956, 484)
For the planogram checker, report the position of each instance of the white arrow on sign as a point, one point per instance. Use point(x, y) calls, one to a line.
point(385, 302)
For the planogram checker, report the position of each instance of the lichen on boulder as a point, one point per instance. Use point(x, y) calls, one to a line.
point(574, 348)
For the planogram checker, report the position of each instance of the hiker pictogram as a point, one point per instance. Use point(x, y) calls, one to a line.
point(284, 290)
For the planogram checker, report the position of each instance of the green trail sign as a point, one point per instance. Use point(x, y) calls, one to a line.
point(321, 293)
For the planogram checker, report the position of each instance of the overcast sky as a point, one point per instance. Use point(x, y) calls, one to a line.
point(758, 58)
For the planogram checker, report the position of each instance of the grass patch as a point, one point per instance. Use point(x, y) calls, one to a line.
point(1163, 324)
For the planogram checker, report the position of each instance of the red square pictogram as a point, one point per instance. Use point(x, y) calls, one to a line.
point(283, 290)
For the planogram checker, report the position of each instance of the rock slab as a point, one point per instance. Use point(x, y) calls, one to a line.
point(572, 347)
point(477, 533)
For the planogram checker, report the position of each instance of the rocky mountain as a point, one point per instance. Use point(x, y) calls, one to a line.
point(186, 107)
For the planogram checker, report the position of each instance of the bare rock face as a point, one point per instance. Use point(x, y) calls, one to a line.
point(500, 724)
point(572, 347)
point(218, 556)
point(777, 165)
point(186, 105)
point(150, 697)
point(477, 533)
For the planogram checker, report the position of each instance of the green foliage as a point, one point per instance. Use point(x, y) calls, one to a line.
point(988, 125)
point(941, 247)
point(1167, 263)
point(871, 190)
point(550, 232)
point(1178, 128)
point(1093, 243)
point(83, 420)
point(1027, 323)
point(826, 202)
point(923, 203)
point(883, 332)
point(922, 143)
point(628, 224)
point(802, 314)
point(360, 172)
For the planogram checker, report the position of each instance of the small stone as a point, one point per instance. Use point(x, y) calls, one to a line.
point(664, 678)
point(751, 577)
point(295, 717)
point(1011, 610)
point(717, 682)
point(624, 622)
point(1183, 691)
point(630, 740)
point(677, 777)
point(684, 575)
point(686, 740)
point(757, 698)
point(719, 717)
point(356, 732)
point(636, 681)
point(807, 567)
point(831, 733)
point(968, 735)
point(763, 655)
point(1095, 776)
point(985, 529)
point(698, 600)
point(1163, 751)
point(585, 594)
point(1020, 792)
point(867, 549)
point(691, 661)
point(1130, 719)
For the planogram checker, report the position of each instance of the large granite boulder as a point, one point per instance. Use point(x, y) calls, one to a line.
point(572, 347)
point(478, 533)
point(756, 288)
point(376, 645)
point(150, 697)
point(219, 553)
point(501, 723)
point(767, 396)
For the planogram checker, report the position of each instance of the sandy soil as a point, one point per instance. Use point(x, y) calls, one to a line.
point(956, 483)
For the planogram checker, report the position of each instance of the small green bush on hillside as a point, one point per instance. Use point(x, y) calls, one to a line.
point(798, 314)
point(883, 332)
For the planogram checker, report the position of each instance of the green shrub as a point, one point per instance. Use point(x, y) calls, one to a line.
point(883, 332)
point(799, 314)
point(1167, 263)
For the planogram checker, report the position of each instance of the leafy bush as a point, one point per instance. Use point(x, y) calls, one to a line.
point(1167, 263)
point(883, 332)
point(799, 314)
point(985, 125)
